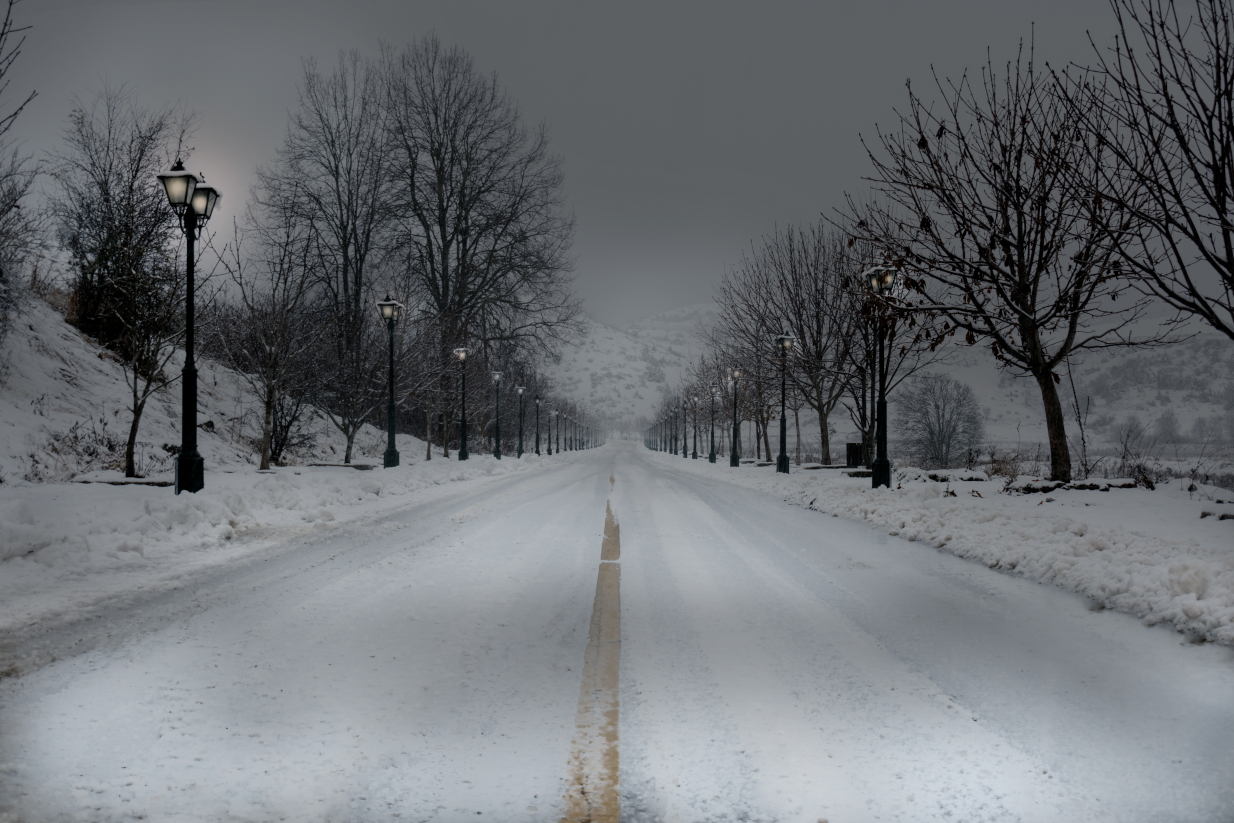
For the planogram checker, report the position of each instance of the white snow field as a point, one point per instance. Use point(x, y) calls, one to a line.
point(437, 660)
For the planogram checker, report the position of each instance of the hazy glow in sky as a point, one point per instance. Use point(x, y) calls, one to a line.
point(688, 129)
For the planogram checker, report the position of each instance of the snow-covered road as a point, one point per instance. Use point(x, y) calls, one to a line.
point(775, 664)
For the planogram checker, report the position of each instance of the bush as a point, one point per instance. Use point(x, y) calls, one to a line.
point(939, 421)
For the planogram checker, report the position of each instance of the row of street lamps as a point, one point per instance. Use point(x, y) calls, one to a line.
point(578, 435)
point(662, 435)
point(194, 202)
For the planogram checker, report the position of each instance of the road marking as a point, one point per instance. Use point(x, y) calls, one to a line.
point(592, 793)
point(610, 549)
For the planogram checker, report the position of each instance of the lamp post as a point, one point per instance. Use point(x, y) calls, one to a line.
point(734, 457)
point(784, 343)
point(390, 310)
point(497, 414)
point(715, 391)
point(557, 414)
point(537, 426)
point(461, 354)
point(193, 204)
point(520, 390)
point(881, 281)
point(694, 454)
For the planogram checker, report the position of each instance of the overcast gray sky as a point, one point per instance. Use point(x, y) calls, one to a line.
point(688, 129)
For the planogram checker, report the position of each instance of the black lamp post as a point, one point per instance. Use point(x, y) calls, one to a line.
point(694, 454)
point(881, 281)
point(461, 354)
point(783, 344)
point(390, 310)
point(497, 414)
point(557, 414)
point(734, 457)
point(537, 427)
point(193, 203)
point(520, 390)
point(715, 391)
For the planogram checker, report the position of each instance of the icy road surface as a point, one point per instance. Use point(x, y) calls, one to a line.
point(465, 661)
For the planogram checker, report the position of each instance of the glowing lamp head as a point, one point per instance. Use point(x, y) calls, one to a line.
point(390, 309)
point(179, 185)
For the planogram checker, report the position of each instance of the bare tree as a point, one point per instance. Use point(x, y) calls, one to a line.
point(481, 222)
point(270, 332)
point(987, 212)
point(334, 159)
point(939, 420)
point(112, 218)
point(806, 269)
point(1169, 92)
point(110, 211)
point(20, 229)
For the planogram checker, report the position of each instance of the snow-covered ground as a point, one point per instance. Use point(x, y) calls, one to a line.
point(423, 662)
point(1163, 555)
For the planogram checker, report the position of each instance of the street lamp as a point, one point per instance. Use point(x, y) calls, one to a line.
point(193, 204)
point(461, 354)
point(715, 392)
point(694, 454)
point(537, 426)
point(557, 414)
point(784, 343)
point(734, 457)
point(497, 414)
point(390, 310)
point(881, 280)
point(520, 390)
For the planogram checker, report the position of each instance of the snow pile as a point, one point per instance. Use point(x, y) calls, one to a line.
point(1162, 555)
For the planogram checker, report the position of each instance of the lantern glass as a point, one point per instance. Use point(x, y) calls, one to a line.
point(179, 185)
point(888, 281)
point(461, 354)
point(390, 309)
point(203, 200)
point(520, 389)
point(497, 377)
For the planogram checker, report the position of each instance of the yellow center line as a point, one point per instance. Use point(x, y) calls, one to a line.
point(592, 795)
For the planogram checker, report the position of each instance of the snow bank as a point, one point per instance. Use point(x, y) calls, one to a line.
point(64, 546)
point(1154, 554)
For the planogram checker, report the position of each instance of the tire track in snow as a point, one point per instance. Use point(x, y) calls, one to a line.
point(592, 796)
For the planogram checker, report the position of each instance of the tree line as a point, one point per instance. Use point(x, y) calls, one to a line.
point(1036, 213)
point(408, 174)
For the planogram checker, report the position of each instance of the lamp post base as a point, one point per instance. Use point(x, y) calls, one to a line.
point(711, 458)
point(391, 458)
point(734, 461)
point(782, 464)
point(190, 472)
point(881, 473)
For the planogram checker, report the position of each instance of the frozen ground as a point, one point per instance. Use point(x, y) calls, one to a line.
point(419, 657)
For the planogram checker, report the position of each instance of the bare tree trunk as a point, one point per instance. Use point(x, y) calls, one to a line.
point(267, 426)
point(130, 469)
point(826, 441)
point(1055, 424)
point(797, 422)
